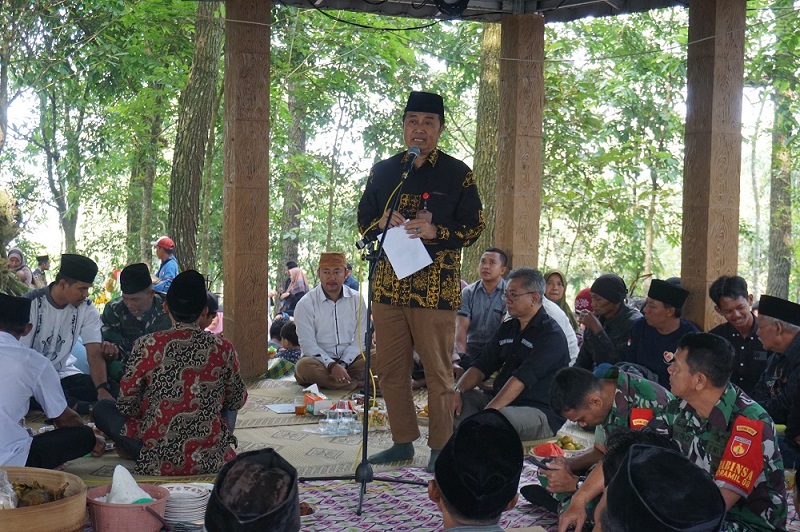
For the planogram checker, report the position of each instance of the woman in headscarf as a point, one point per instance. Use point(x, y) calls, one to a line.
point(17, 262)
point(555, 291)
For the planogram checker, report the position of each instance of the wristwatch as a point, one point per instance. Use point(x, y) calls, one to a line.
point(103, 386)
point(580, 482)
point(457, 390)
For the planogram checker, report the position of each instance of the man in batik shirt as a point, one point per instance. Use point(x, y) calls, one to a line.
point(615, 403)
point(169, 415)
point(438, 204)
point(137, 312)
point(726, 433)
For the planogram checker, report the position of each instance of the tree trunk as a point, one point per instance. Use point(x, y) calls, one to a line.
point(648, 227)
point(152, 154)
point(208, 177)
point(48, 120)
point(292, 187)
point(780, 199)
point(5, 56)
point(194, 117)
point(133, 211)
point(755, 253)
point(485, 165)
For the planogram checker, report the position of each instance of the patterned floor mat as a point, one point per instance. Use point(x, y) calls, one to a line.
point(390, 506)
point(386, 506)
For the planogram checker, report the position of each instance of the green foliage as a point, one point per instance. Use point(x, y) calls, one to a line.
point(105, 77)
point(613, 145)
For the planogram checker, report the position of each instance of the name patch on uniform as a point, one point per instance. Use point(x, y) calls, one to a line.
point(526, 343)
point(640, 417)
point(505, 341)
point(743, 459)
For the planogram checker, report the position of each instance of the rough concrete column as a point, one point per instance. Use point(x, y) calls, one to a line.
point(246, 185)
point(519, 158)
point(715, 70)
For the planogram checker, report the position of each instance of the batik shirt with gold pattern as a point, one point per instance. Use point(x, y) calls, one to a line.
point(444, 186)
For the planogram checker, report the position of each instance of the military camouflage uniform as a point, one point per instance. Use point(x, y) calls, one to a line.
point(632, 392)
point(704, 442)
point(122, 329)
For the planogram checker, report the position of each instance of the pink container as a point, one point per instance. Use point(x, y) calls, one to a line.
point(127, 517)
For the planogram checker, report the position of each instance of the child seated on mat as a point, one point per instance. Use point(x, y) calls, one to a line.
point(286, 357)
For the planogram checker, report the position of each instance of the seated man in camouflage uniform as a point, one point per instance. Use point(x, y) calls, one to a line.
point(617, 402)
point(726, 433)
point(137, 313)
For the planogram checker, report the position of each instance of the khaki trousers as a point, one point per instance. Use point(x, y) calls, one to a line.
point(310, 371)
point(399, 331)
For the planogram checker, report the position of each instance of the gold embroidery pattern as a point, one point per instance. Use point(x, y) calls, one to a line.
point(469, 180)
point(437, 286)
point(432, 157)
point(408, 205)
point(471, 235)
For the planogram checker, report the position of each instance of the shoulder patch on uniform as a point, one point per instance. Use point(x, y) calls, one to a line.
point(743, 459)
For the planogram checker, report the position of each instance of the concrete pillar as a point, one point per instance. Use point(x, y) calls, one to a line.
point(715, 71)
point(246, 185)
point(519, 158)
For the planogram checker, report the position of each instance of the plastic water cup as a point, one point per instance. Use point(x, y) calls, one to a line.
point(300, 405)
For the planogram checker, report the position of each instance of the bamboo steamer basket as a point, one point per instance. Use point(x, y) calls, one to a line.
point(109, 517)
point(68, 514)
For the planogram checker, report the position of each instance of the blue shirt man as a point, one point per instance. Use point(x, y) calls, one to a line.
point(165, 247)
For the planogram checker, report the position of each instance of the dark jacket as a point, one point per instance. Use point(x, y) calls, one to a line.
point(611, 343)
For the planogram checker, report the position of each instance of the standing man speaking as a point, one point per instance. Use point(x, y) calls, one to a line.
point(438, 203)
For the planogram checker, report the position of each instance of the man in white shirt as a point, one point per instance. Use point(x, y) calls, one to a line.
point(27, 374)
point(60, 313)
point(555, 312)
point(331, 324)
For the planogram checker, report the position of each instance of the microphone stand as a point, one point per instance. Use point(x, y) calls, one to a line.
point(364, 473)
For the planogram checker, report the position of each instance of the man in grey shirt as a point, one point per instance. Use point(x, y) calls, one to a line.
point(483, 307)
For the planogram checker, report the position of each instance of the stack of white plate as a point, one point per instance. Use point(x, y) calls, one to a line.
point(187, 502)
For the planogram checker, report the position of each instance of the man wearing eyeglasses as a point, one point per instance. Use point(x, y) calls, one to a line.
point(527, 350)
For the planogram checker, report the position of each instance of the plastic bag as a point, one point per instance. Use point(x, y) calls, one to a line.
point(8, 498)
point(125, 490)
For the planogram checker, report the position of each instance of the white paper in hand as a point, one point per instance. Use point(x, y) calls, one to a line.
point(124, 489)
point(407, 255)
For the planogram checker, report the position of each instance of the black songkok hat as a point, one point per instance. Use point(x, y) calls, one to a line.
point(611, 287)
point(255, 491)
point(78, 267)
point(15, 309)
point(668, 293)
point(479, 467)
point(212, 302)
point(42, 258)
point(135, 278)
point(660, 489)
point(425, 102)
point(187, 293)
point(780, 309)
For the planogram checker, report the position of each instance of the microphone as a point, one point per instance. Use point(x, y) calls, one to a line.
point(413, 153)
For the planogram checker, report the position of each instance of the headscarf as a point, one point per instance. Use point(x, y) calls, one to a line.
point(23, 272)
point(562, 303)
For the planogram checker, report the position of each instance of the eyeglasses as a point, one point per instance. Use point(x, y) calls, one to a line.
point(514, 297)
point(669, 357)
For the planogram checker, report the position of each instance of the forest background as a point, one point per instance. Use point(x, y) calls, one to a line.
point(111, 133)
